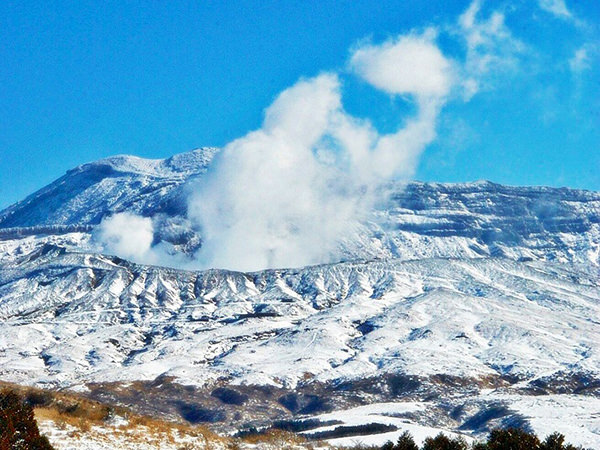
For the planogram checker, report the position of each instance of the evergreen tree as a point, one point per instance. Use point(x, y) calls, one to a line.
point(389, 445)
point(508, 439)
point(556, 441)
point(18, 428)
point(406, 442)
point(512, 439)
point(443, 442)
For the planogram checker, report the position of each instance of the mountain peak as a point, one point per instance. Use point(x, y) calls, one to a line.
point(183, 164)
point(91, 191)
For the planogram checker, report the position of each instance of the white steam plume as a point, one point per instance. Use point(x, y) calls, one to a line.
point(285, 194)
point(127, 235)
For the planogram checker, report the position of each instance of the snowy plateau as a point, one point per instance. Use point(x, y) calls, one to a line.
point(456, 307)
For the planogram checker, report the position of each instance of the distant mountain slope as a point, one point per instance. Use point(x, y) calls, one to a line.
point(420, 220)
point(334, 321)
point(86, 194)
point(486, 219)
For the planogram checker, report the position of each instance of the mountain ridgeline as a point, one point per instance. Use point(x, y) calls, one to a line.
point(417, 220)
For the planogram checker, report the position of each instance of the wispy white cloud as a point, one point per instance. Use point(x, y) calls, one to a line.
point(491, 47)
point(556, 7)
point(580, 60)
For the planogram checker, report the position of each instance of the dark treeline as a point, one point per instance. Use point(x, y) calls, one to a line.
point(19, 232)
point(507, 439)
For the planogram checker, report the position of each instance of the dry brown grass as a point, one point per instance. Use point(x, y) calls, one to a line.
point(158, 427)
point(60, 419)
point(80, 416)
point(68, 409)
point(138, 429)
point(275, 437)
point(63, 408)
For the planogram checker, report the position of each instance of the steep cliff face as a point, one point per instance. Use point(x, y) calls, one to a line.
point(485, 219)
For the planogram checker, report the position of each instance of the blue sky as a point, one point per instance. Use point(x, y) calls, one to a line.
point(82, 80)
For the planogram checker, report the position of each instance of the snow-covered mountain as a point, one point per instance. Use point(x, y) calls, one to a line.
point(467, 298)
point(417, 220)
point(468, 318)
point(90, 192)
point(484, 219)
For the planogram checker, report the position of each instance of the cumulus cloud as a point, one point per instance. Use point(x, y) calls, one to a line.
point(127, 235)
point(410, 64)
point(265, 202)
point(284, 195)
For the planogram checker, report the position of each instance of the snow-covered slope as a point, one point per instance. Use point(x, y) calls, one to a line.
point(424, 220)
point(88, 193)
point(446, 292)
point(89, 317)
point(74, 318)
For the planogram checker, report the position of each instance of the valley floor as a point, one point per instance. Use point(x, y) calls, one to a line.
point(74, 421)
